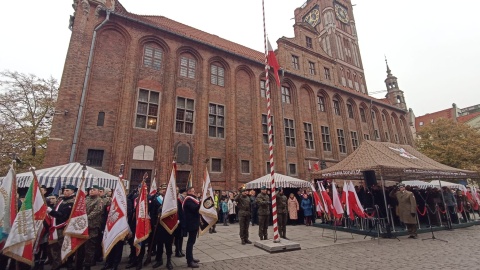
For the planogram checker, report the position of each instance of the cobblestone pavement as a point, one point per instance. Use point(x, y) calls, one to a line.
point(222, 250)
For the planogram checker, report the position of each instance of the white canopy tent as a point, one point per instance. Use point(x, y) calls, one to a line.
point(70, 173)
point(280, 181)
point(438, 183)
point(418, 183)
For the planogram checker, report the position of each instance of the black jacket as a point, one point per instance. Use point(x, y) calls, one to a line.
point(64, 210)
point(191, 207)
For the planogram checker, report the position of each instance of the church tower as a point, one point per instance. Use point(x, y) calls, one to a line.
point(394, 94)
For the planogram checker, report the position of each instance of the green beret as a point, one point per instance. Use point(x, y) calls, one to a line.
point(101, 188)
point(72, 187)
point(95, 187)
point(263, 187)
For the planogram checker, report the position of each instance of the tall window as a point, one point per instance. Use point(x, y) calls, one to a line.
point(327, 74)
point(147, 109)
point(311, 68)
point(354, 136)
point(362, 115)
point(263, 89)
point(292, 169)
point(308, 41)
point(187, 67)
point(217, 75)
point(373, 114)
point(245, 164)
point(216, 121)
point(396, 138)
point(383, 118)
point(295, 62)
point(269, 169)
point(321, 103)
point(289, 132)
point(350, 110)
point(95, 157)
point(308, 135)
point(341, 141)
point(265, 129)
point(285, 94)
point(152, 57)
point(100, 119)
point(386, 136)
point(376, 135)
point(327, 146)
point(366, 137)
point(336, 107)
point(184, 118)
point(216, 165)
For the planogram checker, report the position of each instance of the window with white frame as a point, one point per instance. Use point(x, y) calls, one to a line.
point(286, 94)
point(327, 146)
point(321, 103)
point(263, 89)
point(217, 75)
point(187, 67)
point(147, 109)
point(152, 57)
point(265, 129)
point(354, 136)
point(341, 141)
point(308, 130)
point(336, 107)
point(184, 116)
point(216, 120)
point(289, 132)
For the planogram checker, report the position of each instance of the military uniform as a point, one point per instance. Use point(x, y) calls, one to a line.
point(263, 203)
point(86, 253)
point(282, 215)
point(243, 204)
point(60, 216)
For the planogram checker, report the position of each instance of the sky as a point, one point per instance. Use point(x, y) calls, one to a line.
point(432, 46)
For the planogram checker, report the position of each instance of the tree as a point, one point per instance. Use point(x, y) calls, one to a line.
point(451, 143)
point(26, 102)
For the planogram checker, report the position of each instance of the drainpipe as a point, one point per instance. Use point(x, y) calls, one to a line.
point(84, 90)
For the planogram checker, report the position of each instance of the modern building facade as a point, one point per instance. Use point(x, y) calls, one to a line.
point(141, 90)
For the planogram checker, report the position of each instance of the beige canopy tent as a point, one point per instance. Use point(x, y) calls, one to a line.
point(280, 181)
point(393, 162)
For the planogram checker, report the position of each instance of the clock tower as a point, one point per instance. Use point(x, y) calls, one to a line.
point(334, 26)
point(394, 94)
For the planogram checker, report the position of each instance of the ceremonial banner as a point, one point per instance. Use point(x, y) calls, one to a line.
point(345, 199)
point(153, 185)
point(76, 231)
point(208, 212)
point(169, 217)
point(357, 206)
point(318, 202)
point(27, 224)
point(117, 225)
point(337, 205)
point(142, 228)
point(8, 204)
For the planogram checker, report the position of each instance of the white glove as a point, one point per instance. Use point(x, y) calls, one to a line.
point(49, 209)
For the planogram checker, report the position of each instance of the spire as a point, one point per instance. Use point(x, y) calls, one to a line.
point(389, 72)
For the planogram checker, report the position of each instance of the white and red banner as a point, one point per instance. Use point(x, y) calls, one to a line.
point(273, 63)
point(337, 205)
point(208, 212)
point(8, 204)
point(117, 225)
point(318, 201)
point(169, 217)
point(28, 222)
point(327, 201)
point(358, 208)
point(153, 185)
point(76, 230)
point(143, 227)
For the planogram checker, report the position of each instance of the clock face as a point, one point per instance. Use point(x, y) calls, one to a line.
point(342, 13)
point(313, 17)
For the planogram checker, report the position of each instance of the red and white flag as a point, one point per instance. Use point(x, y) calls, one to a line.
point(76, 231)
point(357, 208)
point(143, 227)
point(318, 201)
point(169, 217)
point(345, 200)
point(337, 205)
point(208, 212)
point(27, 225)
point(315, 166)
point(327, 201)
point(309, 166)
point(8, 202)
point(153, 186)
point(117, 225)
point(272, 62)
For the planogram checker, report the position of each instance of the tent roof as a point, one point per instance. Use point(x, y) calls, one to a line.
point(418, 183)
point(393, 162)
point(280, 181)
point(438, 183)
point(70, 173)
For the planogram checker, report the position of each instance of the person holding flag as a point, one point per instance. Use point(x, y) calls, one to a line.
point(208, 209)
point(9, 187)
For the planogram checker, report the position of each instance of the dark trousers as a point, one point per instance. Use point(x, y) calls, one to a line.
point(412, 229)
point(163, 238)
point(85, 255)
point(115, 256)
point(282, 224)
point(244, 221)
point(263, 226)
point(254, 216)
point(192, 237)
point(178, 239)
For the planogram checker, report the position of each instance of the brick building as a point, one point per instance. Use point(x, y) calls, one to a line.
point(468, 115)
point(140, 90)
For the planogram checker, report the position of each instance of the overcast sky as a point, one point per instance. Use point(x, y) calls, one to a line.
point(432, 46)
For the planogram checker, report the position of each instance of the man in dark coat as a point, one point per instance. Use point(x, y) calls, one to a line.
point(282, 213)
point(263, 203)
point(243, 203)
point(191, 208)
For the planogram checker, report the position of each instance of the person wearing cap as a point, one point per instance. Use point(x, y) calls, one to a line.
point(406, 209)
point(243, 203)
point(60, 215)
point(263, 210)
point(43, 189)
point(94, 209)
point(282, 213)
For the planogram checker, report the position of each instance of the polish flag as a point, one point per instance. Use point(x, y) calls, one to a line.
point(358, 209)
point(309, 166)
point(316, 166)
point(337, 205)
point(143, 227)
point(318, 201)
point(327, 202)
point(346, 200)
point(272, 62)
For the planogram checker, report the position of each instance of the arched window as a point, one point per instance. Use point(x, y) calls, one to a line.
point(152, 56)
point(217, 75)
point(188, 66)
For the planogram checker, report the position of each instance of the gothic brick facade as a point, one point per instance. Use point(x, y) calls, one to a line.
point(142, 89)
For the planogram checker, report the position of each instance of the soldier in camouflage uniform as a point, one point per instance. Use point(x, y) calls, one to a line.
point(282, 213)
point(60, 215)
point(263, 203)
point(94, 207)
point(243, 203)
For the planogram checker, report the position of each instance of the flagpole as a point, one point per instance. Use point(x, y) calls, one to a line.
point(270, 135)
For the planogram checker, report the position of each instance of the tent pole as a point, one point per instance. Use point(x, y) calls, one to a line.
point(385, 198)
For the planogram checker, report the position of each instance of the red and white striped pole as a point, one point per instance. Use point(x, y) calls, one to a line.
point(276, 237)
